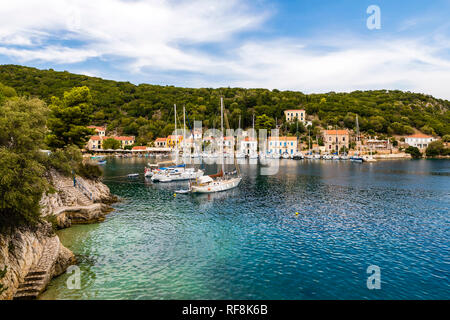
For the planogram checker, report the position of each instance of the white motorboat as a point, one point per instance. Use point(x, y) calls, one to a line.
point(177, 174)
point(285, 155)
point(316, 156)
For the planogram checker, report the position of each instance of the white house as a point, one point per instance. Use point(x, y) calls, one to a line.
point(249, 145)
point(282, 145)
point(419, 140)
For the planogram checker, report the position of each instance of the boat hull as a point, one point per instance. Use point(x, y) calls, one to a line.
point(218, 186)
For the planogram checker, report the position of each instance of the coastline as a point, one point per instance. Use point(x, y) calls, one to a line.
point(34, 256)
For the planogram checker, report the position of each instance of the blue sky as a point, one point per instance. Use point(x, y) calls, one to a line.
point(310, 46)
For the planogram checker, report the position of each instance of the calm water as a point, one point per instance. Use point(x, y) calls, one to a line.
point(248, 243)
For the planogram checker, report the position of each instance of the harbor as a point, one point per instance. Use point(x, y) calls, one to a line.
point(249, 242)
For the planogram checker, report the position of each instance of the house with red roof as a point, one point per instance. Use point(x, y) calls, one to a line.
point(334, 140)
point(419, 140)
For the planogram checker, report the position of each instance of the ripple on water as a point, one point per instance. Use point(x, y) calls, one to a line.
point(248, 243)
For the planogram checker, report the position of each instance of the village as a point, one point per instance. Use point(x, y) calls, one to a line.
point(331, 143)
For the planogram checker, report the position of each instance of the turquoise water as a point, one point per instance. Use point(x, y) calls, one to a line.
point(248, 243)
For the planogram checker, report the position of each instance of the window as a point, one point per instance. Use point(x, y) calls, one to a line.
point(343, 138)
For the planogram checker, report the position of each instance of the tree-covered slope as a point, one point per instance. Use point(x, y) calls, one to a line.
point(147, 110)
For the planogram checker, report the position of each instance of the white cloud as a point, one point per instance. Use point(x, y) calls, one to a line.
point(167, 37)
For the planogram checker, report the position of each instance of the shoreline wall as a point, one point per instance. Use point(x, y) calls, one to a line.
point(33, 256)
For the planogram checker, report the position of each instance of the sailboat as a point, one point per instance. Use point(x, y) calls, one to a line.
point(222, 180)
point(357, 158)
point(179, 172)
point(253, 154)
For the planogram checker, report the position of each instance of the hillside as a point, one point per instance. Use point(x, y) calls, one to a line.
point(147, 110)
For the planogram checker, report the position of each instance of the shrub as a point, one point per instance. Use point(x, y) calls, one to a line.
point(89, 171)
point(435, 148)
point(414, 152)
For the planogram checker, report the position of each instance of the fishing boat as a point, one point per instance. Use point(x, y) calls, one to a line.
point(221, 181)
point(298, 156)
point(101, 162)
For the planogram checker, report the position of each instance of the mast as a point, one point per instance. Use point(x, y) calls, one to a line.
point(337, 140)
point(359, 138)
point(223, 136)
point(176, 135)
point(184, 125)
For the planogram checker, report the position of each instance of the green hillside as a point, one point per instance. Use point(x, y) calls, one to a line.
point(147, 110)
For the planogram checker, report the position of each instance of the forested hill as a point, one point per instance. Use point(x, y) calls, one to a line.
point(147, 110)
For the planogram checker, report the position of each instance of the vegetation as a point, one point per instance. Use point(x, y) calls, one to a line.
point(24, 124)
point(111, 143)
point(146, 111)
point(437, 148)
point(414, 152)
point(22, 133)
point(69, 118)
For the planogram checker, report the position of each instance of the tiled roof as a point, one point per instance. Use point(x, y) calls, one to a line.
point(96, 138)
point(336, 132)
point(294, 110)
point(160, 139)
point(123, 138)
point(97, 128)
point(419, 135)
point(282, 138)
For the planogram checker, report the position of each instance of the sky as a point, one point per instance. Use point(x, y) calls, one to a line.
point(304, 45)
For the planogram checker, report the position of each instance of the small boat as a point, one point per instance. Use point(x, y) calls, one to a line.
point(356, 159)
point(285, 155)
point(133, 175)
point(101, 162)
point(298, 156)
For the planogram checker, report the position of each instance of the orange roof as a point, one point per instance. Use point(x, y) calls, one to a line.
point(140, 148)
point(298, 110)
point(97, 128)
point(249, 139)
point(173, 136)
point(283, 138)
point(336, 132)
point(131, 138)
point(96, 138)
point(160, 139)
point(228, 138)
point(419, 135)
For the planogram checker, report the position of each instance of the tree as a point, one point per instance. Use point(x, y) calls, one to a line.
point(446, 138)
point(69, 117)
point(264, 122)
point(414, 152)
point(111, 143)
point(435, 148)
point(22, 132)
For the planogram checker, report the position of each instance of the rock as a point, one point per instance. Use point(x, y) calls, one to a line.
point(34, 256)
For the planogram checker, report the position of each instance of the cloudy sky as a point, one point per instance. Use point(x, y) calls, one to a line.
point(305, 45)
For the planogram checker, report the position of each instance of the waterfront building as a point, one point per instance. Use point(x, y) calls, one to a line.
point(419, 140)
point(375, 144)
point(293, 114)
point(95, 143)
point(173, 139)
point(334, 140)
point(280, 145)
point(228, 144)
point(249, 145)
point(161, 142)
point(124, 140)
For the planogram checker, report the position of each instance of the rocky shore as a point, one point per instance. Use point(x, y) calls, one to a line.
point(33, 256)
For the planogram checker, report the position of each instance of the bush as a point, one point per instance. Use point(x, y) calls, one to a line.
point(435, 148)
point(414, 152)
point(89, 171)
